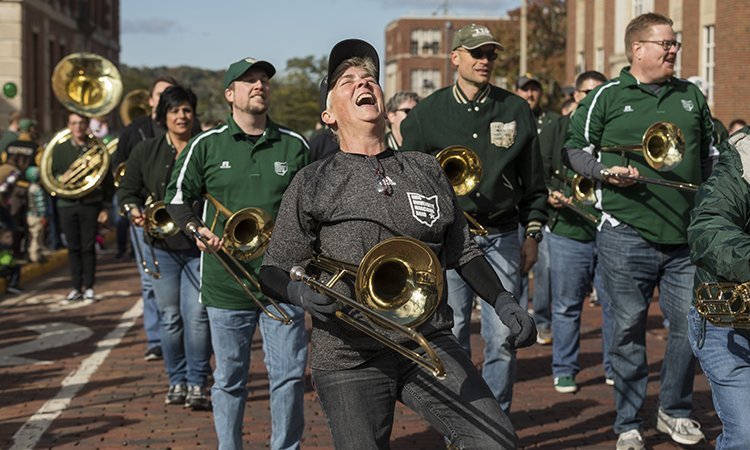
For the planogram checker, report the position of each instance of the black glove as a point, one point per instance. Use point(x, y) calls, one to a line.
point(522, 326)
point(318, 305)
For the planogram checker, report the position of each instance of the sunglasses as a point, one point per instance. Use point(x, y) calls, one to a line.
point(476, 53)
point(585, 91)
point(404, 110)
point(666, 45)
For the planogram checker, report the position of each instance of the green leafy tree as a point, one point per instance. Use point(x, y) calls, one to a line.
point(294, 96)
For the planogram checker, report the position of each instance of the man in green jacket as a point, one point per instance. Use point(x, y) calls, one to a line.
point(642, 238)
point(498, 126)
point(719, 238)
point(249, 162)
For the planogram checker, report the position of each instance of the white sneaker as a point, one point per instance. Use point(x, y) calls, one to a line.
point(89, 294)
point(630, 440)
point(73, 295)
point(682, 430)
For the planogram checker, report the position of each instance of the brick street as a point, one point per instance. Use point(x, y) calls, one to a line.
point(89, 360)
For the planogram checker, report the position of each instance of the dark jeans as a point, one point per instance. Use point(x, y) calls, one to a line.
point(359, 403)
point(80, 226)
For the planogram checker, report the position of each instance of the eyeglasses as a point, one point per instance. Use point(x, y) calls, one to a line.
point(666, 45)
point(404, 110)
point(476, 53)
point(585, 91)
point(382, 184)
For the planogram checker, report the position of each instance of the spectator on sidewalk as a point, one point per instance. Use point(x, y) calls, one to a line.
point(36, 215)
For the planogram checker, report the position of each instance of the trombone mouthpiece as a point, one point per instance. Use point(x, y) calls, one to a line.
point(297, 273)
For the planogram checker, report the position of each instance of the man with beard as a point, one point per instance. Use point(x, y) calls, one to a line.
point(642, 237)
point(248, 162)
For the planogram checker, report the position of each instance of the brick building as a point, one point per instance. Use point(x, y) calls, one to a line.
point(713, 33)
point(417, 52)
point(35, 35)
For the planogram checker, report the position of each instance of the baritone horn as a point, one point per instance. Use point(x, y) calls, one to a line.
point(247, 233)
point(134, 105)
point(464, 171)
point(724, 304)
point(397, 285)
point(663, 148)
point(89, 85)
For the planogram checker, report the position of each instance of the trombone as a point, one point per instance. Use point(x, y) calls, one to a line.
point(663, 147)
point(583, 191)
point(464, 171)
point(128, 209)
point(724, 304)
point(398, 285)
point(246, 236)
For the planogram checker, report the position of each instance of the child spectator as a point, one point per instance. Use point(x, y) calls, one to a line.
point(36, 215)
point(8, 267)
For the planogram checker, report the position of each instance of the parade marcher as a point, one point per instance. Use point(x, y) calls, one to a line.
point(396, 109)
point(19, 155)
point(572, 255)
point(185, 339)
point(719, 239)
point(642, 238)
point(498, 126)
point(139, 130)
point(80, 218)
point(340, 208)
point(248, 162)
point(530, 89)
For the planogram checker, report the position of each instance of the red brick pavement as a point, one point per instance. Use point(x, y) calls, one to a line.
point(122, 405)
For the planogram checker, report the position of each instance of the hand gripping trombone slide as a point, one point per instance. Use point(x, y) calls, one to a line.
point(283, 318)
point(398, 285)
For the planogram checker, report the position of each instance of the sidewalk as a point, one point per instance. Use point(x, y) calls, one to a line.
point(122, 404)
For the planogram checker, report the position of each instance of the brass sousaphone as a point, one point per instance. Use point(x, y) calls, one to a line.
point(91, 86)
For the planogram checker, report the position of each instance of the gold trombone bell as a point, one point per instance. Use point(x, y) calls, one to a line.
point(398, 286)
point(464, 171)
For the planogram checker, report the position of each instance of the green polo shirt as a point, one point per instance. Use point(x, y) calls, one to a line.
point(618, 113)
point(499, 127)
point(240, 172)
point(65, 154)
point(563, 221)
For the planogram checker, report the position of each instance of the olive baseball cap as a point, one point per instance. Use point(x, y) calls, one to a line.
point(474, 36)
point(527, 78)
point(240, 67)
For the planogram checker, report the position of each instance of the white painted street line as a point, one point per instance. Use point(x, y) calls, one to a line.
point(29, 434)
point(51, 335)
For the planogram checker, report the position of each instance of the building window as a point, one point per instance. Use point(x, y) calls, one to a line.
point(708, 61)
point(599, 60)
point(425, 81)
point(642, 6)
point(678, 60)
point(425, 42)
point(580, 62)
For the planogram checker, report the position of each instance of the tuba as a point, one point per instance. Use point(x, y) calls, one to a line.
point(724, 304)
point(134, 105)
point(89, 85)
point(663, 147)
point(397, 285)
point(464, 171)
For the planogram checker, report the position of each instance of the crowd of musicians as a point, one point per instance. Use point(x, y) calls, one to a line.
point(398, 217)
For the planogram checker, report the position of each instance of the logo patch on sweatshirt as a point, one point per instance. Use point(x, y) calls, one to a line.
point(425, 209)
point(280, 167)
point(225, 165)
point(687, 105)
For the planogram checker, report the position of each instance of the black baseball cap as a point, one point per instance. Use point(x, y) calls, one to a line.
point(348, 48)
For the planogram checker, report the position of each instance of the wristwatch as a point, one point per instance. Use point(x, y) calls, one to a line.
point(535, 235)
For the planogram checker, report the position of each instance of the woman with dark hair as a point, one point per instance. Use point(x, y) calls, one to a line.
point(183, 320)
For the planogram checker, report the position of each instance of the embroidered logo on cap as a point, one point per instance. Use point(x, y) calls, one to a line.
point(425, 209)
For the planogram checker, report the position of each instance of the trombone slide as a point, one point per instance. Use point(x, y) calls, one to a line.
point(138, 250)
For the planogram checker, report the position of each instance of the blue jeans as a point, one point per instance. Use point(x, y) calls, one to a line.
point(542, 298)
point(285, 348)
point(632, 268)
point(359, 402)
point(503, 251)
point(185, 335)
point(150, 310)
point(571, 273)
point(724, 354)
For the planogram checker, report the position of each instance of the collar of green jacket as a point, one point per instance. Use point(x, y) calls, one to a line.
point(271, 133)
point(627, 80)
point(461, 97)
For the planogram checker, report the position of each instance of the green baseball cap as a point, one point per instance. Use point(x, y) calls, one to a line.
point(474, 36)
point(240, 67)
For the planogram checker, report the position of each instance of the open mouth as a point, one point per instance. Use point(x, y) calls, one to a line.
point(365, 98)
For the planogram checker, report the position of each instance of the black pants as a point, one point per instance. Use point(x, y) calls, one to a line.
point(79, 224)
